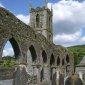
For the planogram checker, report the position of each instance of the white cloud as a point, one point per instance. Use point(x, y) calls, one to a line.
point(23, 18)
point(69, 39)
point(68, 16)
point(68, 21)
point(8, 52)
point(83, 39)
point(1, 5)
point(66, 38)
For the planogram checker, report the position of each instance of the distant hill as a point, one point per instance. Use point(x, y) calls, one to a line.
point(78, 52)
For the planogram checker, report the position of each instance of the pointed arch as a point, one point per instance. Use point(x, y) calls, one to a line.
point(52, 60)
point(58, 61)
point(67, 58)
point(33, 53)
point(37, 20)
point(44, 56)
point(15, 47)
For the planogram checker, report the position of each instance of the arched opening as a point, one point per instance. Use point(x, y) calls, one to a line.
point(44, 56)
point(67, 58)
point(63, 63)
point(11, 43)
point(8, 50)
point(52, 60)
point(10, 53)
point(15, 47)
point(8, 56)
point(58, 61)
point(37, 20)
point(33, 53)
point(11, 49)
point(31, 59)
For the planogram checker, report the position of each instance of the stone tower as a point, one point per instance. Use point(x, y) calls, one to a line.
point(41, 21)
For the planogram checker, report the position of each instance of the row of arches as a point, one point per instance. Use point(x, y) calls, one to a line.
point(34, 58)
point(34, 55)
point(44, 57)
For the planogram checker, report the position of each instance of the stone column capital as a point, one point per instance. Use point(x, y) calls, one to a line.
point(34, 66)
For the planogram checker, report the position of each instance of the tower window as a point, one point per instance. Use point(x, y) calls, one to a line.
point(37, 20)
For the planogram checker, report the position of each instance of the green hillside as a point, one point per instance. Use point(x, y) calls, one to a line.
point(78, 52)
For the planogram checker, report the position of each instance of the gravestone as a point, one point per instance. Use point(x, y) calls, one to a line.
point(74, 80)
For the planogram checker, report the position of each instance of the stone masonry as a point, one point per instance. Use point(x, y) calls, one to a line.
point(38, 60)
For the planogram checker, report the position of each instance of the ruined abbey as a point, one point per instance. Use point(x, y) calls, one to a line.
point(38, 60)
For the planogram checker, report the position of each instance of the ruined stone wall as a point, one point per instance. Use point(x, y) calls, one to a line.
point(43, 54)
point(6, 73)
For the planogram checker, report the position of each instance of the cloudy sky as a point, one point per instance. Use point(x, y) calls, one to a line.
point(68, 19)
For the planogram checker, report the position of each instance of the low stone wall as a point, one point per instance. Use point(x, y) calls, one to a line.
point(6, 73)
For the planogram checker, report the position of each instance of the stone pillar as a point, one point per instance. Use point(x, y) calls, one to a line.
point(60, 76)
point(53, 71)
point(64, 73)
point(20, 75)
point(36, 72)
point(46, 73)
point(57, 77)
point(53, 75)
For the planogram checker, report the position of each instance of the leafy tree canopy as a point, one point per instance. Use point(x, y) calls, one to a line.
point(78, 52)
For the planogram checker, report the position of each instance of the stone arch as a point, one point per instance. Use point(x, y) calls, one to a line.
point(44, 56)
point(52, 62)
point(52, 59)
point(37, 20)
point(67, 58)
point(58, 61)
point(15, 46)
point(33, 53)
point(17, 52)
point(31, 58)
point(44, 64)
